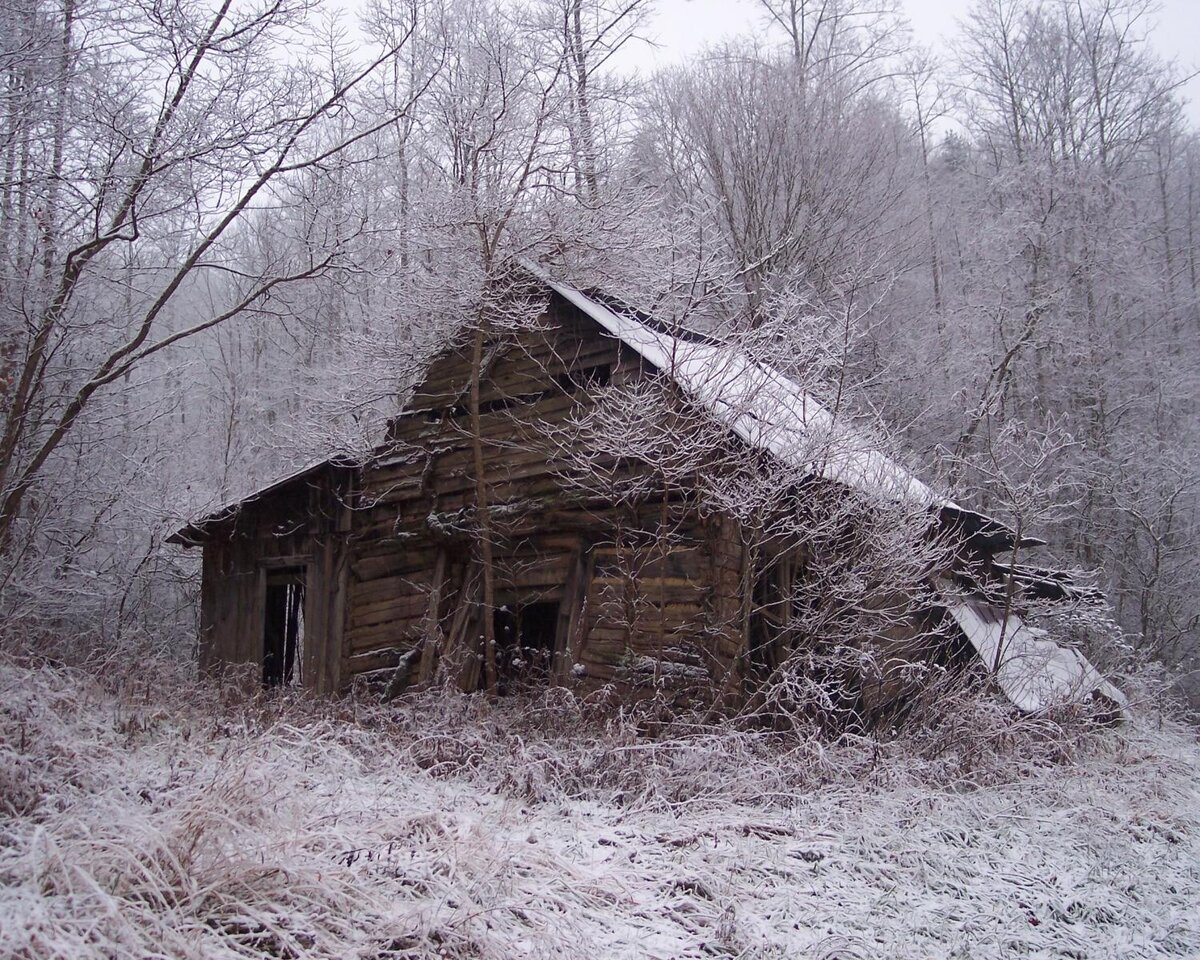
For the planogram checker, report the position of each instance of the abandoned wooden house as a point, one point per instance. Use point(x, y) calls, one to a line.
point(378, 569)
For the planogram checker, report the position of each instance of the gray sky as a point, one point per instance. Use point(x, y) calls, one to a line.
point(683, 26)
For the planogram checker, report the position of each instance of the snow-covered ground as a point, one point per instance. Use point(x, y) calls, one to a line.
point(142, 815)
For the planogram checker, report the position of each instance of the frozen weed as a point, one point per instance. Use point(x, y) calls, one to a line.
point(143, 814)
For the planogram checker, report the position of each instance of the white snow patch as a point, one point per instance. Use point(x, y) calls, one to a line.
point(143, 818)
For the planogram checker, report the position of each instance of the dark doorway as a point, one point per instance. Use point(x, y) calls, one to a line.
point(283, 628)
point(772, 618)
point(525, 644)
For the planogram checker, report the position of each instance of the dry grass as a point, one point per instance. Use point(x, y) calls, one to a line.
point(144, 815)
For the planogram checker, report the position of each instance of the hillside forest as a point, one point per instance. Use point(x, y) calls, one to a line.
point(232, 233)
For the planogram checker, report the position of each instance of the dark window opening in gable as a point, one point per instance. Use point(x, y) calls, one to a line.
point(283, 628)
point(526, 641)
point(573, 381)
point(569, 382)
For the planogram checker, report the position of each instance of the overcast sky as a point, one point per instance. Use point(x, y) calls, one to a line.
point(683, 26)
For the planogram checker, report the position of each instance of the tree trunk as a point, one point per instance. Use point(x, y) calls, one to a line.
point(482, 510)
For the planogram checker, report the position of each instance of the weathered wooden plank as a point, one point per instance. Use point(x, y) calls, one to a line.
point(401, 562)
point(406, 607)
point(610, 613)
point(647, 590)
point(433, 637)
point(366, 593)
point(379, 659)
point(391, 631)
point(524, 364)
point(604, 652)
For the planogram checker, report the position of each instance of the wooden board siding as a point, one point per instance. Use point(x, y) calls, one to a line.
point(652, 593)
point(393, 572)
point(302, 524)
point(644, 602)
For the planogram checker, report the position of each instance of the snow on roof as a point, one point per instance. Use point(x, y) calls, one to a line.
point(762, 405)
point(1032, 670)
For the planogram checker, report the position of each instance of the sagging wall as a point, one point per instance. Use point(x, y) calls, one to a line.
point(302, 525)
point(628, 601)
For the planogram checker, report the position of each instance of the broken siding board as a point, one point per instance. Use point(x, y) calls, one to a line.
point(464, 605)
point(570, 611)
point(432, 638)
point(470, 651)
point(399, 635)
point(384, 658)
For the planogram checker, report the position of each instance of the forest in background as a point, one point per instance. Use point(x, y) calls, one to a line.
point(230, 235)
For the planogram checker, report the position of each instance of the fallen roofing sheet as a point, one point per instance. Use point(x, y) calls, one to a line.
point(762, 405)
point(1032, 670)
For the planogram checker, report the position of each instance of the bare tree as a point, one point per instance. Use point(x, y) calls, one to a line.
point(164, 132)
point(803, 189)
point(856, 42)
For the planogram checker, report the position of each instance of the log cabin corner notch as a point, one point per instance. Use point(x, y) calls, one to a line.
point(350, 569)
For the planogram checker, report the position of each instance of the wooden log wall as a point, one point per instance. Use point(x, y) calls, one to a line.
point(625, 602)
point(394, 585)
point(648, 616)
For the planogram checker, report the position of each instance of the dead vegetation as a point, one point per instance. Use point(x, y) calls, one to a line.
point(143, 815)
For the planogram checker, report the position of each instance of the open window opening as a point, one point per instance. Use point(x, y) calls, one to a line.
point(283, 628)
point(572, 381)
point(771, 617)
point(526, 640)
